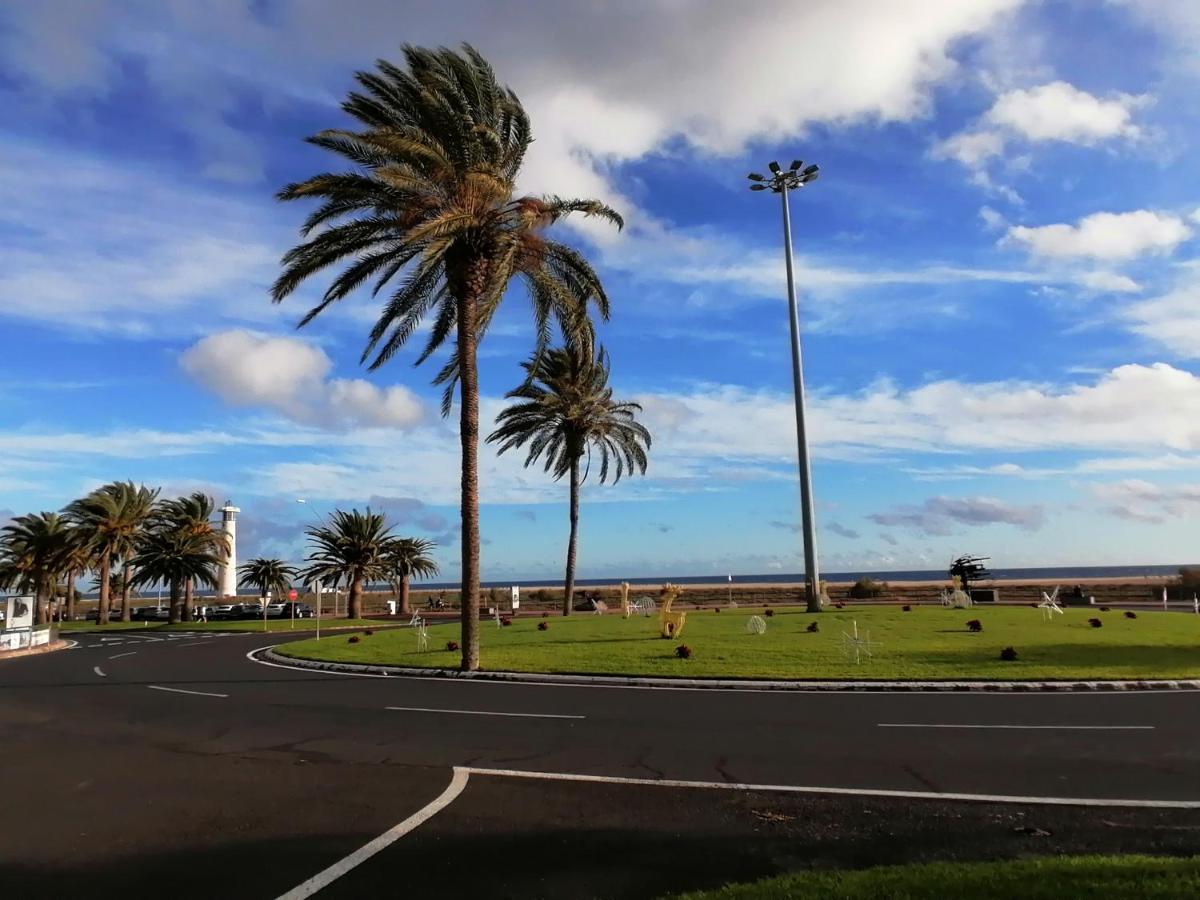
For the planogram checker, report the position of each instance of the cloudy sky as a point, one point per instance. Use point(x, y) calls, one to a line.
point(1000, 286)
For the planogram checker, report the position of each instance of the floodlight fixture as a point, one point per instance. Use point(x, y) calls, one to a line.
point(754, 176)
point(758, 187)
point(774, 167)
point(796, 164)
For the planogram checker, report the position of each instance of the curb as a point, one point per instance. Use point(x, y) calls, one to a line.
point(989, 687)
point(60, 644)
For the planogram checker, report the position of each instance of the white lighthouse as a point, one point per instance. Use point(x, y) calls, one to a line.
point(227, 583)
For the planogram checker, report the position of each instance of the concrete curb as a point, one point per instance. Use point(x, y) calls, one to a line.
point(989, 687)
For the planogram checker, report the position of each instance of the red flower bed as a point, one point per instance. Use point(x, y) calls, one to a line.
point(683, 651)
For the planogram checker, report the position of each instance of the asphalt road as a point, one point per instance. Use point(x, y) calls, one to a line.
point(135, 759)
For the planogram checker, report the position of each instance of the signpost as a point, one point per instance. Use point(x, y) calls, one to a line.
point(516, 597)
point(292, 595)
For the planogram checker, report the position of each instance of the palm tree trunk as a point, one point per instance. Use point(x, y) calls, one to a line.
point(569, 590)
point(70, 595)
point(354, 599)
point(41, 606)
point(468, 431)
point(405, 605)
point(176, 606)
point(187, 601)
point(102, 602)
point(126, 574)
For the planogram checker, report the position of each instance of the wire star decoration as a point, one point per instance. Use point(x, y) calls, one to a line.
point(1049, 605)
point(857, 646)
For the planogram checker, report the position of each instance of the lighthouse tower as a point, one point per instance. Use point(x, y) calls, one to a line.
point(227, 581)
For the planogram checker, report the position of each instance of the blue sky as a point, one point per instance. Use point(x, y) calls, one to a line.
point(998, 272)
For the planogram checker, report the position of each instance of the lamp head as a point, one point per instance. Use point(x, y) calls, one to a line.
point(754, 176)
point(774, 167)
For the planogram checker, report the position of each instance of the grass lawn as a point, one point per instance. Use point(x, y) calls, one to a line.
point(927, 643)
point(234, 625)
point(1030, 879)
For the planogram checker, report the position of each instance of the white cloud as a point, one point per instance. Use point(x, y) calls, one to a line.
point(1062, 112)
point(992, 219)
point(1172, 319)
point(291, 376)
point(1105, 235)
point(1109, 282)
point(971, 148)
point(1146, 502)
point(944, 515)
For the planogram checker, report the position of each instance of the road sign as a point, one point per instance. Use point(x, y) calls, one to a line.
point(292, 595)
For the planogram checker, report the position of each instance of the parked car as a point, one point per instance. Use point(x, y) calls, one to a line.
point(250, 611)
point(225, 611)
point(302, 610)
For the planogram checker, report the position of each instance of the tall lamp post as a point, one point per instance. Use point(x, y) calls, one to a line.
point(781, 181)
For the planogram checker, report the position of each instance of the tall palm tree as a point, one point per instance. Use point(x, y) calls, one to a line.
point(75, 560)
point(430, 211)
point(567, 411)
point(110, 522)
point(31, 557)
point(350, 547)
point(405, 558)
point(174, 557)
point(268, 575)
point(192, 515)
point(138, 504)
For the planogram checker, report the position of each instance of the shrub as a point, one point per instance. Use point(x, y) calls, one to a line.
point(975, 625)
point(1189, 577)
point(906, 608)
point(1095, 623)
point(543, 626)
point(1008, 654)
point(353, 639)
point(867, 587)
point(505, 621)
point(840, 605)
point(1130, 614)
point(369, 632)
point(716, 609)
point(683, 651)
point(768, 612)
point(1104, 609)
point(545, 615)
point(813, 627)
point(451, 646)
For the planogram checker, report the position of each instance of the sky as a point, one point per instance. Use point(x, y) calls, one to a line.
point(998, 274)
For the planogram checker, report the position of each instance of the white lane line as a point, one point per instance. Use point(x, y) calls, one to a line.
point(193, 644)
point(366, 851)
point(99, 671)
point(156, 687)
point(1024, 727)
point(859, 792)
point(481, 712)
point(126, 653)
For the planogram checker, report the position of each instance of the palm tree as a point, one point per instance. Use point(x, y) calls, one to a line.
point(138, 505)
point(110, 522)
point(192, 515)
point(567, 411)
point(350, 547)
point(431, 204)
point(31, 556)
point(176, 557)
point(268, 575)
point(405, 558)
point(75, 559)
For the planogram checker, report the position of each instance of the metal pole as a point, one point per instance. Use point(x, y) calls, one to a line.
point(812, 577)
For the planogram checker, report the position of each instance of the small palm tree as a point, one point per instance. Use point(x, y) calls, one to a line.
point(192, 515)
point(270, 576)
point(430, 212)
point(406, 558)
point(567, 412)
point(32, 549)
point(350, 548)
point(174, 557)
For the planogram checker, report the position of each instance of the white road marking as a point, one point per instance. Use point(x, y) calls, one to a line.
point(860, 792)
point(482, 712)
point(326, 877)
point(126, 653)
point(156, 687)
point(99, 671)
point(193, 644)
point(1025, 727)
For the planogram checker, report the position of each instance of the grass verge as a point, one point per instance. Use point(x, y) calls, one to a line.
point(1097, 877)
point(927, 643)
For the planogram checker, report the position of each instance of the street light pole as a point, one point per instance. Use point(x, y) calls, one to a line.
point(781, 182)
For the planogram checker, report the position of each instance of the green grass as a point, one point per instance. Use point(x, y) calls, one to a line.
point(927, 643)
point(1051, 878)
point(234, 625)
